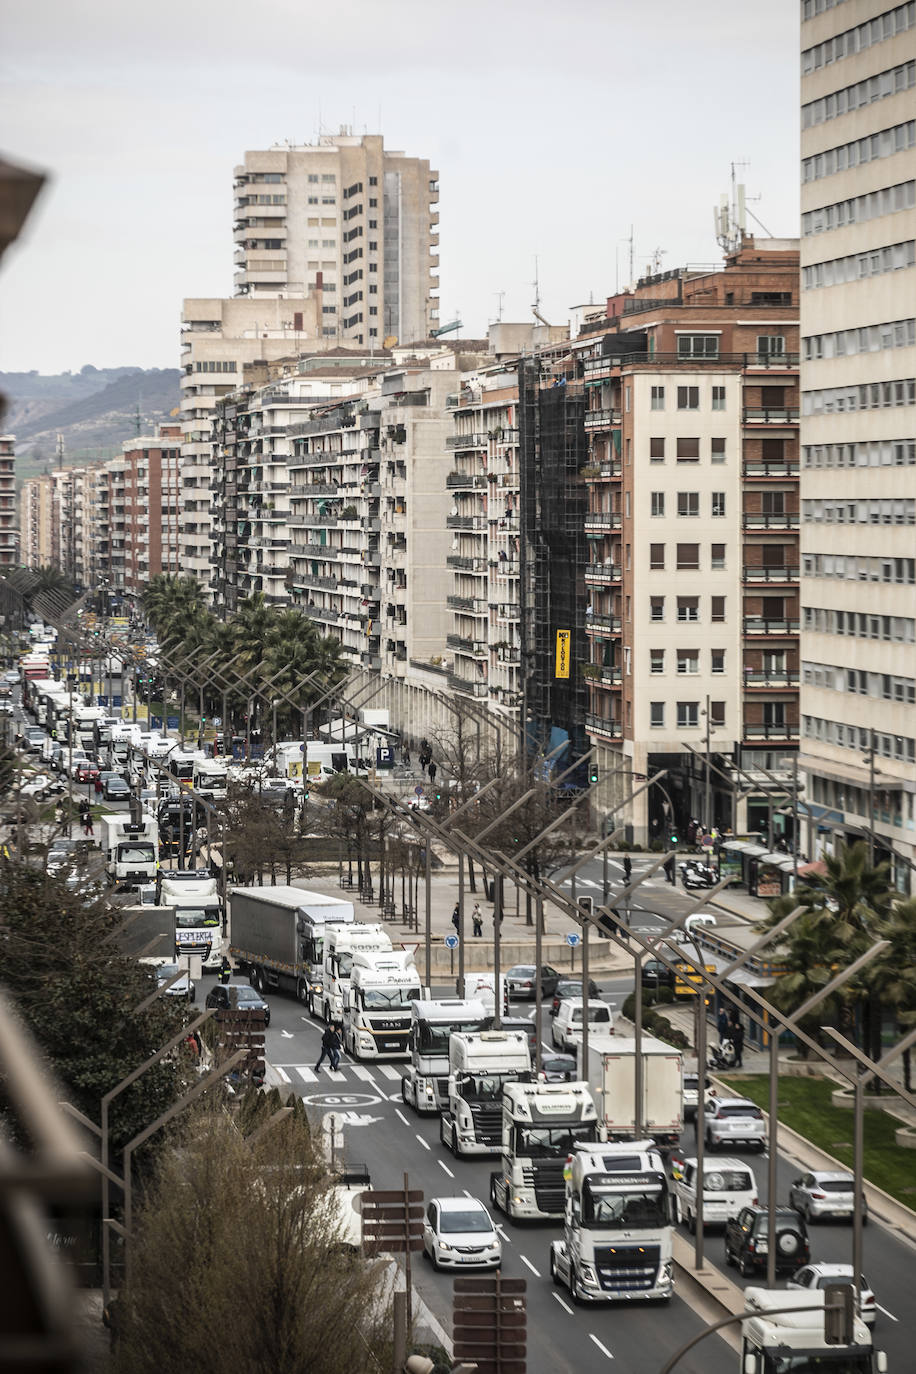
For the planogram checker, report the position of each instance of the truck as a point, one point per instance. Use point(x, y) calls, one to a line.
point(198, 907)
point(481, 987)
point(479, 1067)
point(377, 1003)
point(432, 1024)
point(772, 1344)
point(341, 944)
point(131, 850)
point(611, 1073)
point(277, 935)
point(617, 1225)
point(541, 1123)
point(210, 777)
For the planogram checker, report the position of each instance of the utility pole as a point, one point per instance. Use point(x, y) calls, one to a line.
point(871, 798)
point(707, 818)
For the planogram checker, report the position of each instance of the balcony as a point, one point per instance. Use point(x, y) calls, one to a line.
point(504, 567)
point(758, 470)
point(466, 522)
point(785, 731)
point(781, 681)
point(602, 521)
point(462, 564)
point(787, 520)
point(467, 605)
point(599, 725)
point(602, 574)
point(466, 687)
point(465, 645)
point(604, 676)
point(598, 367)
point(509, 610)
point(602, 624)
point(512, 657)
point(472, 440)
point(758, 574)
point(756, 625)
point(593, 471)
point(770, 415)
point(464, 481)
point(601, 419)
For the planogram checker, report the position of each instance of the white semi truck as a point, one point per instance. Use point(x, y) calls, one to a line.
point(194, 897)
point(617, 1231)
point(795, 1340)
point(277, 935)
point(541, 1124)
point(341, 944)
point(480, 1066)
point(425, 1084)
point(384, 984)
point(611, 1076)
point(131, 850)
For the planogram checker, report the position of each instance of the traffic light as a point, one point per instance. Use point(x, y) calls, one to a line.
point(592, 774)
point(839, 1313)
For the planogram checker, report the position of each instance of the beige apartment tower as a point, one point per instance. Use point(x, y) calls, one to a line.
point(858, 425)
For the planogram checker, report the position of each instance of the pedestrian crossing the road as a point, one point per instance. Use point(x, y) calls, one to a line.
point(379, 1076)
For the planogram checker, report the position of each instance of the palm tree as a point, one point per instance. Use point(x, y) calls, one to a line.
point(892, 976)
point(811, 953)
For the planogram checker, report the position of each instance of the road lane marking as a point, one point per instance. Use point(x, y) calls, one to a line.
point(535, 1272)
point(563, 1304)
point(389, 1071)
point(282, 1074)
point(444, 1166)
point(363, 1073)
point(336, 1076)
point(425, 1143)
point(603, 1348)
point(307, 1075)
point(886, 1313)
point(503, 1236)
point(402, 1116)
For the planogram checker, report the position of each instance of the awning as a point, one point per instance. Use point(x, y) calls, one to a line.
point(817, 869)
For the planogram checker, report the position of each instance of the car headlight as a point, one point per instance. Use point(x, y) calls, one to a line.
point(443, 1246)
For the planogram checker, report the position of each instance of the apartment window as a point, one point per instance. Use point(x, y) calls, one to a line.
point(718, 503)
point(628, 613)
point(688, 609)
point(656, 660)
point(688, 661)
point(717, 713)
point(373, 290)
point(717, 450)
point(373, 204)
point(629, 452)
point(717, 557)
point(688, 503)
point(774, 714)
point(313, 177)
point(774, 662)
point(656, 713)
point(773, 502)
point(628, 562)
point(658, 503)
point(658, 398)
point(688, 713)
point(688, 398)
point(657, 608)
point(688, 450)
point(770, 346)
point(773, 607)
point(688, 556)
point(656, 450)
point(717, 660)
point(656, 556)
point(718, 398)
point(626, 396)
point(698, 346)
point(373, 181)
point(626, 505)
point(718, 609)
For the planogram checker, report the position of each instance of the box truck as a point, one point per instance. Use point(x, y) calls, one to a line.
point(611, 1077)
point(277, 934)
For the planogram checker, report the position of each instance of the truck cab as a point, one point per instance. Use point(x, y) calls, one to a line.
point(796, 1340)
point(341, 944)
point(541, 1122)
point(480, 1066)
point(425, 1084)
point(377, 1004)
point(131, 850)
point(617, 1231)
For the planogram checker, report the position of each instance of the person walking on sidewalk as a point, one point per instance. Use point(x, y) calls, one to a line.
point(477, 921)
point(330, 1047)
point(456, 918)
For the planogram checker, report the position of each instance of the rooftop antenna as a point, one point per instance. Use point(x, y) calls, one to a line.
point(500, 296)
point(536, 307)
point(730, 217)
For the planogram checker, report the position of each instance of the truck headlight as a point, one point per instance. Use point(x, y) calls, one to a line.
point(587, 1273)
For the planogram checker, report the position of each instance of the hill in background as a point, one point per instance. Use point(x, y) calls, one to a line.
point(95, 410)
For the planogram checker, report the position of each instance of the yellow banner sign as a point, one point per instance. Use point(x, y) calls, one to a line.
point(563, 637)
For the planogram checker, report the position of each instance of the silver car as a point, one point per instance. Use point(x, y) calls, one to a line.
point(824, 1194)
point(734, 1121)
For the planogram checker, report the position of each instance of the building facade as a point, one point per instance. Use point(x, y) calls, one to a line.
point(35, 521)
point(9, 532)
point(858, 440)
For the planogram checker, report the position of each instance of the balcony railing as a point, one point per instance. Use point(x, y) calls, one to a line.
point(756, 625)
point(770, 415)
point(602, 520)
point(599, 725)
point(601, 419)
point(508, 611)
point(463, 481)
point(462, 564)
point(467, 605)
point(783, 731)
point(466, 522)
point(600, 624)
point(473, 440)
point(465, 645)
point(753, 468)
point(784, 574)
point(603, 572)
point(777, 681)
point(787, 520)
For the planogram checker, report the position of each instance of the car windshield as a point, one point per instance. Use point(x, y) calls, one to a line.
point(609, 1210)
point(471, 1220)
point(135, 852)
point(726, 1181)
point(740, 1109)
point(547, 1142)
point(166, 971)
point(691, 1082)
point(377, 999)
point(191, 917)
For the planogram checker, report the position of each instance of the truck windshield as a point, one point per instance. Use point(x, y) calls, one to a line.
point(483, 1085)
point(547, 1142)
point(211, 780)
point(192, 917)
point(380, 999)
point(135, 852)
point(433, 1039)
point(816, 1362)
point(607, 1209)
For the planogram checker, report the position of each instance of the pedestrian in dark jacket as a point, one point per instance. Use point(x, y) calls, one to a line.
point(737, 1038)
point(722, 1023)
point(627, 868)
point(456, 917)
point(330, 1047)
point(225, 970)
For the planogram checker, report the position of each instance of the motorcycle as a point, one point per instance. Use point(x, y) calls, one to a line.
point(695, 874)
point(722, 1056)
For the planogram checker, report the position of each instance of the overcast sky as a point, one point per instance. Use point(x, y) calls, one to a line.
point(554, 127)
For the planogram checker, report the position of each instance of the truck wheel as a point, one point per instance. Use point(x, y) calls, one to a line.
point(494, 1196)
point(574, 1292)
point(404, 1095)
point(454, 1144)
point(553, 1266)
point(302, 991)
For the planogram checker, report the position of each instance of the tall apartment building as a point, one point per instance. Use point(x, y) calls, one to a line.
point(692, 615)
point(858, 381)
point(9, 534)
point(334, 246)
point(35, 521)
point(151, 484)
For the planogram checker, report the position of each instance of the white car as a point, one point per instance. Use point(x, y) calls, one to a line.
point(566, 1027)
point(37, 786)
point(825, 1194)
point(817, 1276)
point(458, 1233)
point(734, 1121)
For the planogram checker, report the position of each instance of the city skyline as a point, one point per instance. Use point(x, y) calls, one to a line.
point(139, 140)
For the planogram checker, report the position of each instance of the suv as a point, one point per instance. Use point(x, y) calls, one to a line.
point(733, 1120)
point(746, 1239)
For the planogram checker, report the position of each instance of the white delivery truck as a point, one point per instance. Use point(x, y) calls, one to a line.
point(194, 897)
point(377, 1004)
point(795, 1340)
point(341, 944)
point(480, 1066)
point(425, 1084)
point(611, 1076)
point(210, 777)
point(277, 934)
point(617, 1231)
point(541, 1124)
point(131, 850)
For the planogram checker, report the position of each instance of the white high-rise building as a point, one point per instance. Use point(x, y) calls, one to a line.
point(858, 423)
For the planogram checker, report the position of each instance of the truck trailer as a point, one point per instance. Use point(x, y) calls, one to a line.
point(611, 1076)
point(276, 936)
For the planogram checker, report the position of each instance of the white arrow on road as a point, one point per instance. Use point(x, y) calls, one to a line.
point(287, 1035)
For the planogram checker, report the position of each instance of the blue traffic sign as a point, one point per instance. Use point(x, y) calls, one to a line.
point(451, 942)
point(572, 939)
point(419, 791)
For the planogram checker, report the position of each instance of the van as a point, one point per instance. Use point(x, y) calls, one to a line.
point(728, 1185)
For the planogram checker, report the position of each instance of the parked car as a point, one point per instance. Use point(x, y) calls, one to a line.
point(566, 1030)
point(237, 997)
point(734, 1121)
point(816, 1276)
point(521, 981)
point(458, 1233)
point(728, 1185)
point(559, 1068)
point(571, 987)
point(6, 707)
point(746, 1239)
point(825, 1194)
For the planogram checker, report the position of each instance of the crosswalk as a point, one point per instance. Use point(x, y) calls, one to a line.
point(378, 1076)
